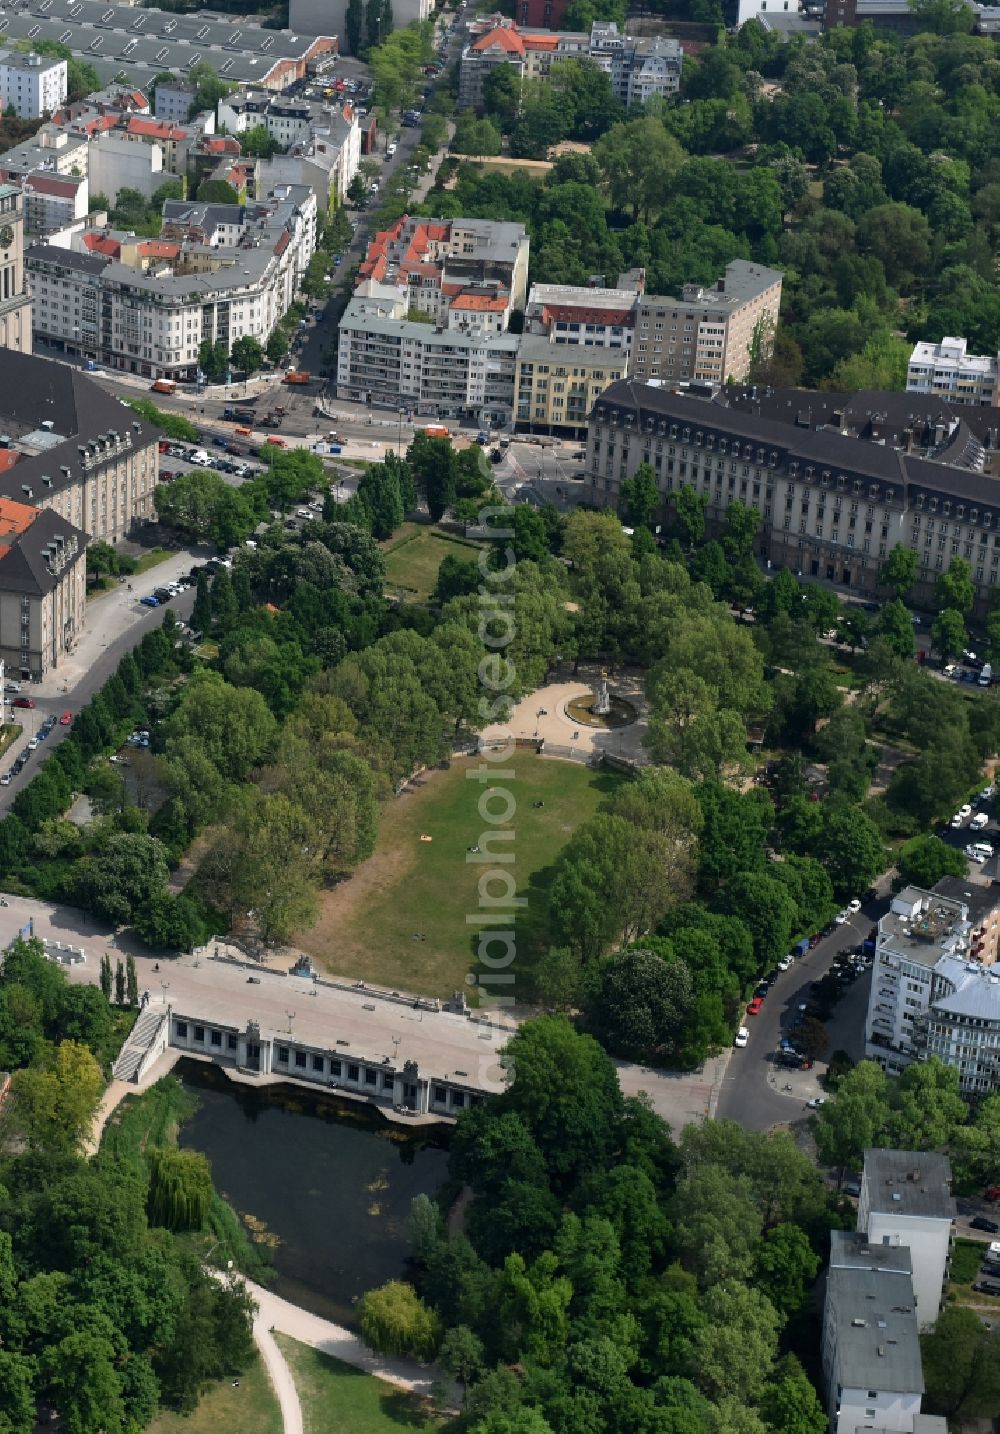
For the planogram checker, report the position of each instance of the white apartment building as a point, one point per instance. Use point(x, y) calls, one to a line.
point(948, 370)
point(34, 85)
point(146, 305)
point(906, 1200)
point(932, 992)
point(870, 1343)
point(389, 361)
point(708, 335)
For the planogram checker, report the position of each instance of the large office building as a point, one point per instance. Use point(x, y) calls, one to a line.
point(947, 370)
point(838, 479)
point(217, 273)
point(708, 335)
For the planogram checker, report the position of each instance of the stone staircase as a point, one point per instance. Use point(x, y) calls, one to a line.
point(144, 1033)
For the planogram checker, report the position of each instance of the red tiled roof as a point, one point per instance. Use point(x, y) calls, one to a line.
point(506, 39)
point(579, 314)
point(15, 518)
point(154, 128)
point(481, 303)
point(102, 244)
point(158, 249)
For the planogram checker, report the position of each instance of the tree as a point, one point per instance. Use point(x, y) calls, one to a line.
point(854, 1119)
point(180, 1188)
point(127, 870)
point(955, 589)
point(573, 1116)
point(119, 983)
point(927, 1108)
point(217, 191)
point(924, 860)
point(78, 1376)
point(850, 847)
point(734, 1351)
point(639, 1003)
point(639, 497)
point(895, 627)
point(232, 725)
point(899, 571)
point(106, 978)
point(689, 507)
point(961, 1366)
point(213, 358)
point(638, 160)
point(201, 613)
point(17, 1399)
point(948, 634)
point(461, 1355)
point(785, 1267)
point(944, 17)
point(55, 1102)
point(394, 1320)
point(789, 1403)
point(131, 980)
point(246, 353)
point(434, 465)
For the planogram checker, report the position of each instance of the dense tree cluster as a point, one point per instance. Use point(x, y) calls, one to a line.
point(607, 1279)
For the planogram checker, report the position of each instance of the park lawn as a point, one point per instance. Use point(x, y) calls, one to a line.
point(338, 1399)
point(366, 924)
point(152, 558)
point(413, 556)
point(250, 1409)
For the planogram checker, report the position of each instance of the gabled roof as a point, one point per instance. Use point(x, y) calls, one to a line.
point(502, 39)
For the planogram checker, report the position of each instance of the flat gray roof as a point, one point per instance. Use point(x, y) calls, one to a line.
point(909, 1182)
point(850, 1249)
point(144, 42)
point(877, 1342)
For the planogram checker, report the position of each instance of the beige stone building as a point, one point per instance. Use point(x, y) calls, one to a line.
point(15, 302)
point(708, 335)
point(43, 578)
point(556, 385)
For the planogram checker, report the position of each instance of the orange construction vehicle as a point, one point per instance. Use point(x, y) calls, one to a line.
point(297, 375)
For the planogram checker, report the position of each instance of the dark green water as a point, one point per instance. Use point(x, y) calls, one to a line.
point(330, 1180)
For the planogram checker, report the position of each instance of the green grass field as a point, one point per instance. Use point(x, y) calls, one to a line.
point(413, 556)
point(337, 1399)
point(366, 925)
point(250, 1409)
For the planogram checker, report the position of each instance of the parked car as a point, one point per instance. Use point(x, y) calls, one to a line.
point(754, 1007)
point(65, 719)
point(816, 1102)
point(150, 601)
point(992, 1192)
point(23, 702)
point(987, 1287)
point(742, 1036)
point(980, 1222)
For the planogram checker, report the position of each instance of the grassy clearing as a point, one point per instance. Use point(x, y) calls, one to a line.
point(249, 1409)
point(413, 556)
point(367, 924)
point(337, 1399)
point(966, 1258)
point(151, 559)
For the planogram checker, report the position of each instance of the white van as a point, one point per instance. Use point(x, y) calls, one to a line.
point(981, 851)
point(200, 457)
point(986, 676)
point(980, 820)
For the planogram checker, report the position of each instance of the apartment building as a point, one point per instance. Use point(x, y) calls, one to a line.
point(43, 588)
point(870, 1347)
point(838, 479)
point(906, 1202)
point(173, 100)
point(32, 85)
point(325, 158)
point(639, 67)
point(932, 994)
point(437, 262)
point(947, 370)
point(15, 301)
point(53, 201)
point(556, 386)
point(217, 273)
point(590, 317)
point(390, 361)
point(709, 335)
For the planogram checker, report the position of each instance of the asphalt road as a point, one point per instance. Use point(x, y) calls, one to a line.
point(752, 1092)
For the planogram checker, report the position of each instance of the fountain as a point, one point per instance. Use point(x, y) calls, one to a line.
point(601, 709)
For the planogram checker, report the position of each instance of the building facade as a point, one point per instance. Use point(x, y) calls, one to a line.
point(838, 480)
point(15, 301)
point(556, 386)
point(709, 335)
point(947, 370)
point(146, 305)
point(32, 85)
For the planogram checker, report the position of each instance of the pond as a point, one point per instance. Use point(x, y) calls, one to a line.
point(325, 1183)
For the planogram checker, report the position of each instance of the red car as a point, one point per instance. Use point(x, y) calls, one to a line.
point(992, 1192)
point(65, 719)
point(754, 1007)
point(23, 702)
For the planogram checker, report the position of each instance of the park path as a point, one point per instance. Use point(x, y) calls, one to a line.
point(277, 1372)
point(274, 1313)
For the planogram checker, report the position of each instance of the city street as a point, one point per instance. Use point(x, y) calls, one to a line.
point(753, 1092)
